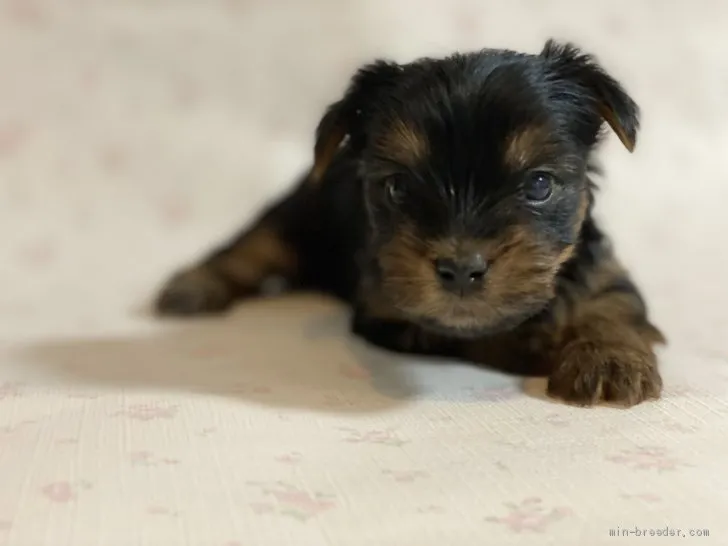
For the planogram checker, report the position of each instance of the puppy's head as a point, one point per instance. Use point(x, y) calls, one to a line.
point(475, 172)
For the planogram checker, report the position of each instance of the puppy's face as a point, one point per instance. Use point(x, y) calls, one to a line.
point(475, 177)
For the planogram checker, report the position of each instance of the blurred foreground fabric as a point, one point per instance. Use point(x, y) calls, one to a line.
point(135, 134)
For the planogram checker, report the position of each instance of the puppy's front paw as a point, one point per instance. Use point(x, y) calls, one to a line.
point(588, 372)
point(193, 292)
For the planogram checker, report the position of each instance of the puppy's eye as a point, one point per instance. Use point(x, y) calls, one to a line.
point(394, 189)
point(538, 187)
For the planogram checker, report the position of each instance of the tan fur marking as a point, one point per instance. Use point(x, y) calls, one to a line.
point(259, 254)
point(564, 256)
point(610, 117)
point(525, 147)
point(521, 274)
point(324, 153)
point(403, 143)
point(583, 210)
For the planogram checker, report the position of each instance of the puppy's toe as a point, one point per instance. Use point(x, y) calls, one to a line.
point(193, 292)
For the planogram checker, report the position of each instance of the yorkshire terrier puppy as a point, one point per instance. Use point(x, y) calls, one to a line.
point(450, 204)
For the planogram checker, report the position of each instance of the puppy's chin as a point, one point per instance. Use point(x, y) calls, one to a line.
point(474, 326)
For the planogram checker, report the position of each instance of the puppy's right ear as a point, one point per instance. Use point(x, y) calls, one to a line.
point(608, 99)
point(346, 117)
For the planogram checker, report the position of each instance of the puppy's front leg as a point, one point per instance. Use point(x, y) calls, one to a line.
point(603, 350)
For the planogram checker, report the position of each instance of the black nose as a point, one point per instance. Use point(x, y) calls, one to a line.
point(461, 276)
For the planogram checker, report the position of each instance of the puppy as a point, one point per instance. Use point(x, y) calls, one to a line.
point(450, 204)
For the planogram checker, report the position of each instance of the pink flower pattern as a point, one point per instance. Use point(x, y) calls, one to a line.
point(647, 458)
point(338, 401)
point(175, 210)
point(11, 435)
point(385, 437)
point(83, 396)
point(27, 12)
point(405, 476)
point(645, 497)
point(9, 429)
point(516, 445)
point(148, 412)
point(12, 138)
point(292, 458)
point(64, 492)
point(67, 441)
point(147, 458)
point(431, 509)
point(556, 420)
point(670, 425)
point(530, 515)
point(37, 254)
point(356, 373)
point(10, 389)
point(291, 501)
point(158, 510)
point(553, 419)
point(114, 159)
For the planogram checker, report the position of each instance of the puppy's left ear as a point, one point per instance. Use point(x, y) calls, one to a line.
point(345, 118)
point(608, 97)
